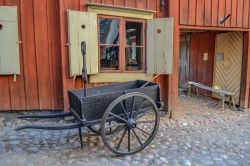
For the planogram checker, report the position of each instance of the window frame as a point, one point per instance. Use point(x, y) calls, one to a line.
point(122, 44)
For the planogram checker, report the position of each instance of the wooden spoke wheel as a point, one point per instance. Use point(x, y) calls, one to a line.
point(137, 116)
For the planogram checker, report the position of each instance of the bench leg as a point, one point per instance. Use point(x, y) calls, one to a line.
point(234, 104)
point(189, 89)
point(231, 102)
point(223, 102)
point(197, 91)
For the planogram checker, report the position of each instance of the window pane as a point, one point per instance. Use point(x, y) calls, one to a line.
point(134, 58)
point(109, 57)
point(134, 34)
point(109, 31)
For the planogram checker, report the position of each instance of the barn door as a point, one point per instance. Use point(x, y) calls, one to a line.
point(227, 62)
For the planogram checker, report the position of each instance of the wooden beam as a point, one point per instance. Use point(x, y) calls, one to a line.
point(212, 28)
point(173, 78)
point(245, 77)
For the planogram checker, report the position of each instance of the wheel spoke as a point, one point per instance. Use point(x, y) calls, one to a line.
point(143, 131)
point(132, 109)
point(144, 101)
point(129, 140)
point(119, 144)
point(137, 136)
point(110, 128)
point(147, 121)
point(124, 110)
point(142, 113)
point(118, 117)
point(114, 125)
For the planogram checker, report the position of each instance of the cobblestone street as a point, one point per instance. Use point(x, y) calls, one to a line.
point(202, 135)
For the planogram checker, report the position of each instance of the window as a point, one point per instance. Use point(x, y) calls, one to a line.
point(121, 44)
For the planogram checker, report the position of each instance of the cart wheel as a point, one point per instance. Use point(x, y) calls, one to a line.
point(110, 130)
point(137, 116)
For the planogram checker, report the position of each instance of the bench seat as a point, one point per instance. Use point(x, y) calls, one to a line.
point(222, 93)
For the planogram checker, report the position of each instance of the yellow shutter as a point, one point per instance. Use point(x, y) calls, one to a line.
point(160, 46)
point(9, 47)
point(82, 26)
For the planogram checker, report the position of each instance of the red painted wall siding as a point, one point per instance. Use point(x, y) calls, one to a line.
point(39, 85)
point(210, 12)
point(44, 78)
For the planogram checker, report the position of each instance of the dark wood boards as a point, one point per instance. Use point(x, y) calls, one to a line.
point(201, 70)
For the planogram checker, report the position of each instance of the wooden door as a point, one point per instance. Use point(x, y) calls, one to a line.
point(184, 60)
point(228, 62)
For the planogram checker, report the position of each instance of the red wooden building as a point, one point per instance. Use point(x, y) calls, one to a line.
point(40, 78)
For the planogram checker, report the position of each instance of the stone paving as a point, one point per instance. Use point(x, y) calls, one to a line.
point(201, 135)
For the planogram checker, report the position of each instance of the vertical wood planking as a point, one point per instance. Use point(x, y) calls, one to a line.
point(17, 91)
point(141, 4)
point(5, 101)
point(119, 2)
point(152, 6)
point(192, 12)
point(130, 3)
point(29, 57)
point(214, 12)
point(34, 53)
point(234, 13)
point(108, 2)
point(245, 13)
point(200, 12)
point(221, 11)
point(228, 11)
point(240, 13)
point(67, 81)
point(42, 54)
point(96, 1)
point(208, 12)
point(202, 71)
point(193, 58)
point(55, 53)
point(184, 12)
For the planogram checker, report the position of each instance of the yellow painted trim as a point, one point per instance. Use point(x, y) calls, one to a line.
point(120, 11)
point(119, 77)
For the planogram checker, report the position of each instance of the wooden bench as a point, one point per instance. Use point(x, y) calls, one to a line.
point(223, 94)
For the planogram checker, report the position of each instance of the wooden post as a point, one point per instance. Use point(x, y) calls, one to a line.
point(245, 77)
point(173, 7)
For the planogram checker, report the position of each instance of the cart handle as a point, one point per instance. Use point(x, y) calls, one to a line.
point(84, 68)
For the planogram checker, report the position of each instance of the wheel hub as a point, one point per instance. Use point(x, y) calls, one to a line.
point(131, 123)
